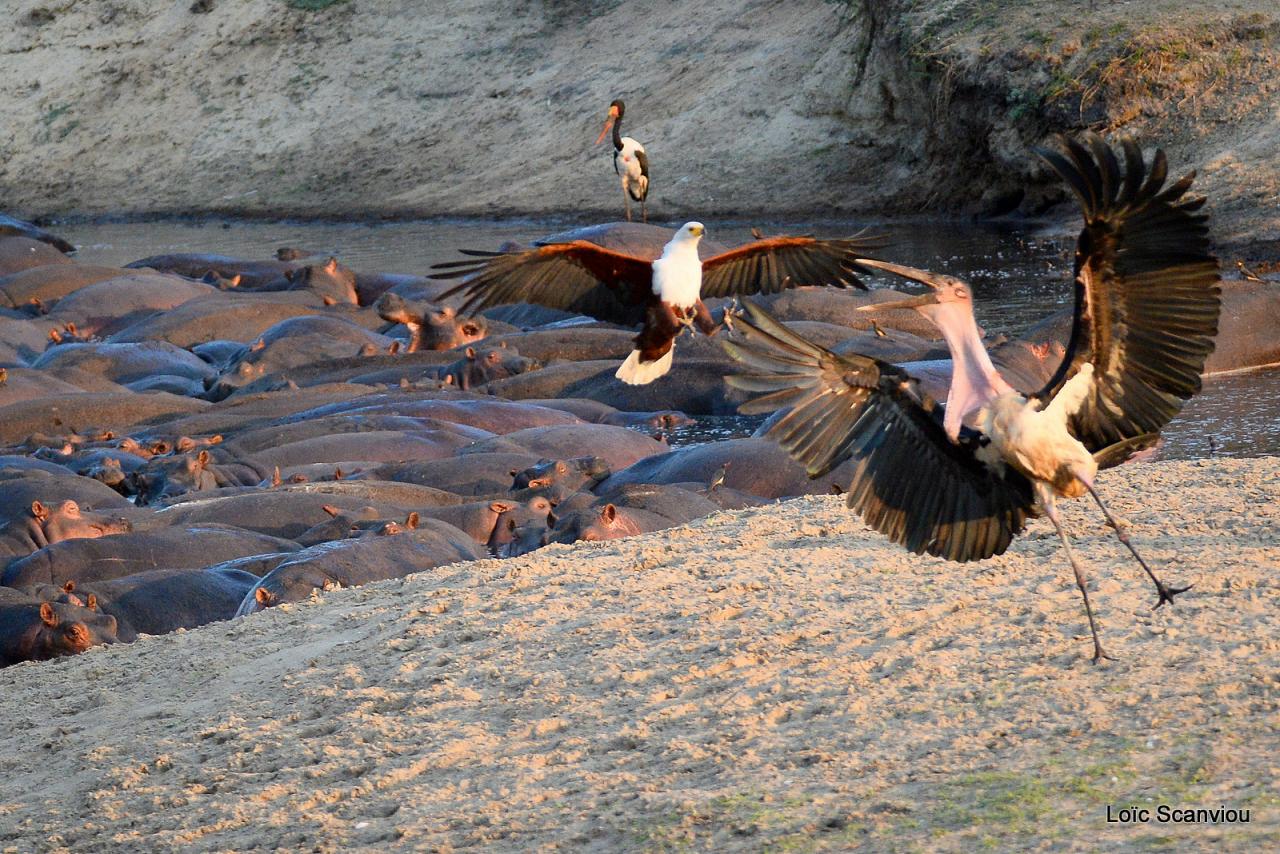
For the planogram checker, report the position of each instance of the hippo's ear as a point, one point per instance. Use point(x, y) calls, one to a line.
point(92, 602)
point(275, 474)
point(448, 380)
point(215, 439)
point(70, 508)
point(186, 443)
point(411, 521)
point(263, 597)
point(470, 329)
point(331, 266)
point(330, 509)
point(470, 354)
point(48, 616)
point(609, 513)
point(69, 587)
point(328, 300)
point(234, 281)
point(39, 511)
point(500, 506)
point(203, 458)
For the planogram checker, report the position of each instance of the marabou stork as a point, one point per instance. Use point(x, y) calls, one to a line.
point(663, 294)
point(630, 161)
point(959, 481)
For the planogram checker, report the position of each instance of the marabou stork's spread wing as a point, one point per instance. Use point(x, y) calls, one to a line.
point(577, 276)
point(910, 482)
point(1147, 296)
point(777, 263)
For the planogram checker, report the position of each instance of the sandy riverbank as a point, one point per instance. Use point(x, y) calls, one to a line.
point(776, 678)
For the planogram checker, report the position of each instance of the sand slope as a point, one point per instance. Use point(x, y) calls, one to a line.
point(777, 678)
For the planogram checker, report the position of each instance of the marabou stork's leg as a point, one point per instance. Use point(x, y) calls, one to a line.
point(1165, 592)
point(1048, 501)
point(626, 200)
point(644, 209)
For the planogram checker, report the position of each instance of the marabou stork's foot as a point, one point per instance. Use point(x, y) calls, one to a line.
point(1164, 591)
point(1099, 653)
point(731, 310)
point(1167, 593)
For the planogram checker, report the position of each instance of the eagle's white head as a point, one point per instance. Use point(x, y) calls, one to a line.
point(691, 231)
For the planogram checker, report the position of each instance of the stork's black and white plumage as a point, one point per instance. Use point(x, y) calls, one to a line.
point(960, 480)
point(664, 295)
point(630, 162)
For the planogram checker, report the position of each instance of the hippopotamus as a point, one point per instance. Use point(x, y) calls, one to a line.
point(118, 555)
point(21, 487)
point(163, 600)
point(291, 510)
point(351, 562)
point(493, 523)
point(430, 327)
point(331, 281)
point(492, 363)
point(108, 306)
point(617, 446)
point(25, 384)
point(63, 521)
point(195, 265)
point(472, 475)
point(489, 414)
point(571, 345)
point(37, 288)
point(558, 479)
point(220, 317)
point(840, 307)
point(601, 413)
point(167, 476)
point(694, 385)
point(114, 410)
point(23, 253)
point(755, 466)
point(14, 227)
point(294, 342)
point(1248, 325)
point(21, 341)
point(605, 522)
point(31, 630)
point(125, 363)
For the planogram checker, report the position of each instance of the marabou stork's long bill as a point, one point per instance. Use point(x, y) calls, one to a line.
point(959, 481)
point(630, 161)
point(663, 294)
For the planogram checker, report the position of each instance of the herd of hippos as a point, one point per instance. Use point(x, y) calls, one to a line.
point(192, 438)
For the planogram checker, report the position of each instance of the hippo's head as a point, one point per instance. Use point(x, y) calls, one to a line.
point(67, 522)
point(562, 477)
point(330, 280)
point(430, 327)
point(477, 367)
point(521, 527)
point(593, 524)
point(68, 630)
point(177, 475)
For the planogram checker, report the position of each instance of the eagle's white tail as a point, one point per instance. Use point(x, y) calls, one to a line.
point(635, 372)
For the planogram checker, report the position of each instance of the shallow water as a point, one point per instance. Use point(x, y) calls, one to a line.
point(1019, 275)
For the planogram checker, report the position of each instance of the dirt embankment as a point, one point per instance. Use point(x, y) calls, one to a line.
point(372, 108)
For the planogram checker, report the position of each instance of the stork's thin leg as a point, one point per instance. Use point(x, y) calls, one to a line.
point(1052, 512)
point(1165, 592)
point(626, 199)
point(644, 210)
